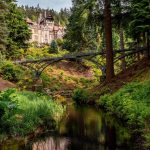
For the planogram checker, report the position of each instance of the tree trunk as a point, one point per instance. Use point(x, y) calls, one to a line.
point(123, 65)
point(138, 58)
point(108, 36)
point(145, 45)
point(148, 45)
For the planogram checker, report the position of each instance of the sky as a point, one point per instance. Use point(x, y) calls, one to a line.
point(52, 4)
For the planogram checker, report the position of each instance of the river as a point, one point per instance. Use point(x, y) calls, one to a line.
point(82, 128)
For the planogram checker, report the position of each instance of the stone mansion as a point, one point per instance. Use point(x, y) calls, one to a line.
point(44, 30)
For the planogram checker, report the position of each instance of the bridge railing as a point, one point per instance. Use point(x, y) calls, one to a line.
point(38, 65)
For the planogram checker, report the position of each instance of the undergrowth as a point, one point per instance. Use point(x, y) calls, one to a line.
point(131, 104)
point(22, 112)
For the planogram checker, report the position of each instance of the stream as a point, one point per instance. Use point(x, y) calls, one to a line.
point(83, 128)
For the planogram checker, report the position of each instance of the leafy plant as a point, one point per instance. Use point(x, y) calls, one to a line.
point(10, 71)
point(131, 103)
point(81, 96)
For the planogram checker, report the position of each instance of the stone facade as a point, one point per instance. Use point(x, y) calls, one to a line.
point(45, 30)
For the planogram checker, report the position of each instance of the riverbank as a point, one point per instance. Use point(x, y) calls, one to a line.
point(83, 127)
point(131, 104)
point(127, 97)
point(24, 113)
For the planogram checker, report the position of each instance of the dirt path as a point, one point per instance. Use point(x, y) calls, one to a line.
point(5, 84)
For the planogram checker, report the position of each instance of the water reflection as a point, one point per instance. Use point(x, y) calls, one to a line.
point(83, 128)
point(86, 129)
point(93, 125)
point(66, 144)
point(51, 144)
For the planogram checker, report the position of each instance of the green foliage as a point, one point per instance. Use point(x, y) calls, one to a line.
point(81, 33)
point(3, 26)
point(45, 79)
point(10, 71)
point(116, 44)
point(36, 53)
point(81, 96)
point(60, 43)
point(131, 103)
point(18, 30)
point(140, 12)
point(2, 58)
point(53, 47)
point(147, 137)
point(25, 111)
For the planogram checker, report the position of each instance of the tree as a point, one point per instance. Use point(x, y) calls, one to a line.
point(108, 37)
point(140, 23)
point(18, 30)
point(3, 26)
point(53, 47)
point(121, 11)
point(83, 30)
point(74, 38)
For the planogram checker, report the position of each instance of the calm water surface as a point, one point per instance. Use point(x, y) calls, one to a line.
point(83, 128)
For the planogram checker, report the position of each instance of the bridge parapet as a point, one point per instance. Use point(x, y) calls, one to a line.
point(38, 65)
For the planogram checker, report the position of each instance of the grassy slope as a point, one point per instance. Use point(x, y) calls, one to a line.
point(24, 113)
point(139, 72)
point(63, 78)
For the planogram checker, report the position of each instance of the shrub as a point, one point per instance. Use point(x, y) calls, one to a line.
point(45, 79)
point(80, 96)
point(53, 47)
point(60, 43)
point(36, 53)
point(10, 71)
point(131, 103)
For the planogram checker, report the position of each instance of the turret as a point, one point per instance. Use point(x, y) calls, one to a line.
point(40, 18)
point(49, 20)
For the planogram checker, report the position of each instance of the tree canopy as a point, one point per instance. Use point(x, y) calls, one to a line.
point(14, 29)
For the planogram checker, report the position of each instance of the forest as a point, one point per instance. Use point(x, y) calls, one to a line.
point(89, 90)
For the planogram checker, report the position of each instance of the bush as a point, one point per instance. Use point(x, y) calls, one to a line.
point(24, 112)
point(36, 53)
point(131, 103)
point(81, 96)
point(10, 71)
point(45, 79)
point(60, 43)
point(53, 47)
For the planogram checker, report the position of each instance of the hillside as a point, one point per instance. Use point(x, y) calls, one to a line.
point(139, 72)
point(60, 80)
point(128, 98)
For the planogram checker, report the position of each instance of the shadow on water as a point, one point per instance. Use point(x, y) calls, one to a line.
point(83, 128)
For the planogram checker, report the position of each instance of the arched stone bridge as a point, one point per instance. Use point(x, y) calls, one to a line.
point(39, 65)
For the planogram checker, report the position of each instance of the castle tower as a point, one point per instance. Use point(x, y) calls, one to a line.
point(40, 18)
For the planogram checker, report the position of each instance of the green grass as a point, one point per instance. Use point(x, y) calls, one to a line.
point(22, 112)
